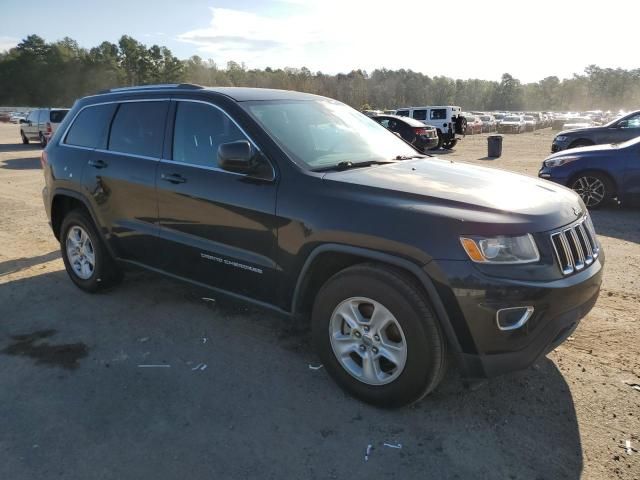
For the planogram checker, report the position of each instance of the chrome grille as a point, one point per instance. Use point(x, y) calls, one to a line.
point(576, 247)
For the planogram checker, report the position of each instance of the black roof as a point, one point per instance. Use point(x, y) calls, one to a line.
point(239, 94)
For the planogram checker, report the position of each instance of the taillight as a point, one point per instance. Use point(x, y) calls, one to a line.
point(43, 159)
point(421, 131)
point(49, 129)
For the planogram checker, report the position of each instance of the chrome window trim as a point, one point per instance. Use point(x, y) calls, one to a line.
point(62, 143)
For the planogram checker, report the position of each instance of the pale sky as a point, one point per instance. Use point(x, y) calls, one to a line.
point(459, 39)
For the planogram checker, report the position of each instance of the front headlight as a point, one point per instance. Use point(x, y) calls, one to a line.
point(557, 162)
point(501, 249)
point(561, 138)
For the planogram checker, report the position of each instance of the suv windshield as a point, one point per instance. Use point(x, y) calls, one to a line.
point(324, 133)
point(512, 119)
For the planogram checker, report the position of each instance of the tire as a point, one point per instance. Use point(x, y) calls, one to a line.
point(413, 329)
point(440, 143)
point(25, 140)
point(594, 188)
point(104, 272)
point(450, 144)
point(581, 143)
point(43, 140)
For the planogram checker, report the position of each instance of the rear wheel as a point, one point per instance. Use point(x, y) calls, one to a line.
point(377, 336)
point(594, 189)
point(25, 140)
point(85, 257)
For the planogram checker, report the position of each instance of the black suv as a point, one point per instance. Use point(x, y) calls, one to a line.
point(305, 206)
point(617, 131)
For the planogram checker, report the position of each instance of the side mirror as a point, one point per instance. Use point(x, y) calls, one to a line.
point(236, 156)
point(22, 120)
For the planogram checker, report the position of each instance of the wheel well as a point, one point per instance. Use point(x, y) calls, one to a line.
point(326, 265)
point(63, 204)
point(581, 141)
point(612, 182)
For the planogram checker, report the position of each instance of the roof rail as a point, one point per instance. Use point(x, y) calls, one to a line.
point(189, 86)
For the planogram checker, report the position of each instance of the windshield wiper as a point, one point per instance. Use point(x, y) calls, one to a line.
point(409, 157)
point(349, 165)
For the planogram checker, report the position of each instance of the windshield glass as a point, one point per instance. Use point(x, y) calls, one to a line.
point(579, 120)
point(512, 119)
point(323, 133)
point(528, 118)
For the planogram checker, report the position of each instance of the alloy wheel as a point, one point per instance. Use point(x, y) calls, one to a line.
point(80, 252)
point(591, 189)
point(368, 341)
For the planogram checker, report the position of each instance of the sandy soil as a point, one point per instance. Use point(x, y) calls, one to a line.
point(75, 405)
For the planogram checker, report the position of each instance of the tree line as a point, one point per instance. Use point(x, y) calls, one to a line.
point(37, 73)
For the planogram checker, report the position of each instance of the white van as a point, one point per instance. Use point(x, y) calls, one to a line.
point(41, 123)
point(448, 120)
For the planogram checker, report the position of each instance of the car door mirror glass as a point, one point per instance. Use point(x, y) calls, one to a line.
point(241, 157)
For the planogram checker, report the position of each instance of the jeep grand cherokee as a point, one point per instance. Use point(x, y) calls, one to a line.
point(303, 205)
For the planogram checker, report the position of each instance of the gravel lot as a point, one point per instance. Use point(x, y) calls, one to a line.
point(75, 404)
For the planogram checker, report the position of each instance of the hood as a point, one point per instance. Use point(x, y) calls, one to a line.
point(576, 126)
point(578, 130)
point(470, 193)
point(590, 150)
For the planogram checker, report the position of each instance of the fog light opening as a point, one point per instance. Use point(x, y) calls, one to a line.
point(513, 318)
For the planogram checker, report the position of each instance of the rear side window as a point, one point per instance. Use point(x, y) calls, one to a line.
point(56, 116)
point(420, 114)
point(91, 127)
point(199, 131)
point(138, 128)
point(439, 114)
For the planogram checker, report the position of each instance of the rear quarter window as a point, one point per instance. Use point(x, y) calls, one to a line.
point(56, 116)
point(439, 114)
point(138, 128)
point(91, 127)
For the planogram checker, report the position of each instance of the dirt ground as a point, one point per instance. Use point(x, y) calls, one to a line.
point(74, 402)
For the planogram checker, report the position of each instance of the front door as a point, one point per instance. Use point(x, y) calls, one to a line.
point(631, 179)
point(216, 227)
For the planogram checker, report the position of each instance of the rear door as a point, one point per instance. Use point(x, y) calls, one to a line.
point(30, 127)
point(121, 179)
point(216, 227)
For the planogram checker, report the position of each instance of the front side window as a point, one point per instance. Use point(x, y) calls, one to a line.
point(199, 130)
point(324, 133)
point(138, 128)
point(420, 114)
point(33, 116)
point(402, 113)
point(91, 126)
point(439, 114)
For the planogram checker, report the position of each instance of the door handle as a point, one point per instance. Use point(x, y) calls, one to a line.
point(98, 163)
point(173, 178)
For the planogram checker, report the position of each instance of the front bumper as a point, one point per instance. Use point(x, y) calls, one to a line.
point(472, 300)
point(558, 146)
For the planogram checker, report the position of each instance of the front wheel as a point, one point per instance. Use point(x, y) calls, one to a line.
point(43, 141)
point(25, 140)
point(449, 144)
point(594, 189)
point(377, 336)
point(85, 257)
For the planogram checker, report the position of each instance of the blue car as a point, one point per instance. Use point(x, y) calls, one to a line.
point(598, 173)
